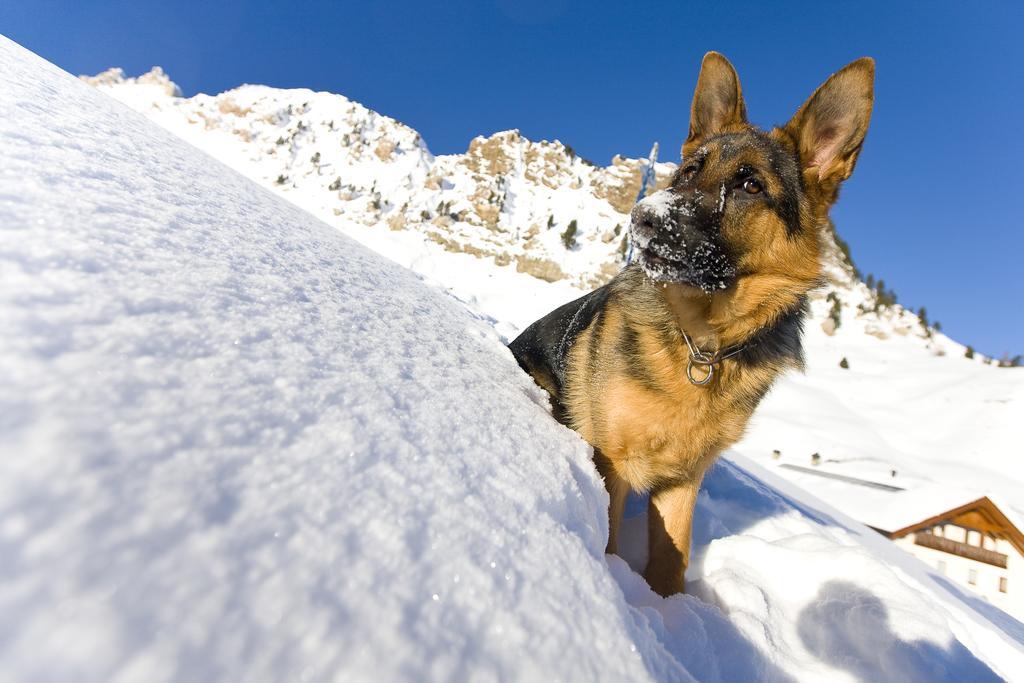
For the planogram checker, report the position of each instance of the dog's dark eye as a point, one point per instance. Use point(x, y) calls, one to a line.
point(689, 172)
point(751, 186)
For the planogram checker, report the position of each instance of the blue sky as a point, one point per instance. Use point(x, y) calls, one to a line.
point(935, 207)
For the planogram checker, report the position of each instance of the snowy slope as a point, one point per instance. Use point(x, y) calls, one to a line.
point(239, 446)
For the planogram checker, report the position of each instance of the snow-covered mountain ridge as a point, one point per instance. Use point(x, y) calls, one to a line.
point(507, 198)
point(535, 205)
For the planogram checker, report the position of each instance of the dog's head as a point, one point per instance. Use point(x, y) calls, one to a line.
point(742, 215)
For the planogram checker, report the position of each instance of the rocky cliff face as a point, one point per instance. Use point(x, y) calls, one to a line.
point(536, 206)
point(507, 198)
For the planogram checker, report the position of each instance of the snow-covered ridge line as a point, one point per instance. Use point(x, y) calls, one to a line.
point(507, 198)
point(534, 205)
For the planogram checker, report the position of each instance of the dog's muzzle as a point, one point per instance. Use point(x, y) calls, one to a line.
point(676, 240)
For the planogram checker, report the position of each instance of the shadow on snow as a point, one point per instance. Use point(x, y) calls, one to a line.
point(848, 627)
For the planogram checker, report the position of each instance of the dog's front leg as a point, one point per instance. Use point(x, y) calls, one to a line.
point(618, 492)
point(669, 520)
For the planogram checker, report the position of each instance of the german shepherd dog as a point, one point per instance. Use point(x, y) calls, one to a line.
point(661, 369)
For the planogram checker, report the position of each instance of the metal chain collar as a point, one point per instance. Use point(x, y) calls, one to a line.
point(706, 359)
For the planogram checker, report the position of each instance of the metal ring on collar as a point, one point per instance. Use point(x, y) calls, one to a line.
point(704, 360)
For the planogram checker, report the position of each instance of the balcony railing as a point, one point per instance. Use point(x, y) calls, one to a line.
point(971, 552)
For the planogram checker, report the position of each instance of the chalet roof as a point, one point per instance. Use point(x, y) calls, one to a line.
point(895, 511)
point(981, 514)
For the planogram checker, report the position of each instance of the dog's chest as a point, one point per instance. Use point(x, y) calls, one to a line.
point(653, 436)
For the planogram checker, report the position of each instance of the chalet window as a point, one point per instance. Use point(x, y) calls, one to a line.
point(972, 577)
point(1002, 584)
point(973, 538)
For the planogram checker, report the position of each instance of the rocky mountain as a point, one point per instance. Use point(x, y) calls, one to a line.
point(507, 198)
point(534, 206)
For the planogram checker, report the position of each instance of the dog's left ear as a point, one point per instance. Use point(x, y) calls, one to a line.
point(829, 128)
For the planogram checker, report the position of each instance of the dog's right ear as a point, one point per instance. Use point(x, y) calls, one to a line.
point(717, 101)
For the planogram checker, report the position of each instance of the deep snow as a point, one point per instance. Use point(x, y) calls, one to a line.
point(239, 446)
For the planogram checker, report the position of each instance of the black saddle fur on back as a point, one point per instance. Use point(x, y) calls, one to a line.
point(542, 349)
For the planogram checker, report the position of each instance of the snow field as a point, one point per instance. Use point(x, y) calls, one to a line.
point(240, 446)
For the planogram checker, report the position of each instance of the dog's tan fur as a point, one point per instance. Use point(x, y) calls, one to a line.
point(624, 386)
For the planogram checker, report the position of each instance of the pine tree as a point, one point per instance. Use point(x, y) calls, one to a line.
point(836, 311)
point(880, 292)
point(883, 296)
point(569, 236)
point(969, 353)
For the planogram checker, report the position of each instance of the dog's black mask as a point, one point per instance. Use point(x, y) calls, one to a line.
point(676, 238)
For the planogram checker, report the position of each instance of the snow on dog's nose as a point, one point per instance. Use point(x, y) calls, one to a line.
point(676, 240)
point(651, 216)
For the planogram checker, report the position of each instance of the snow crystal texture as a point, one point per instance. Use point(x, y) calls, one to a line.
point(239, 446)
